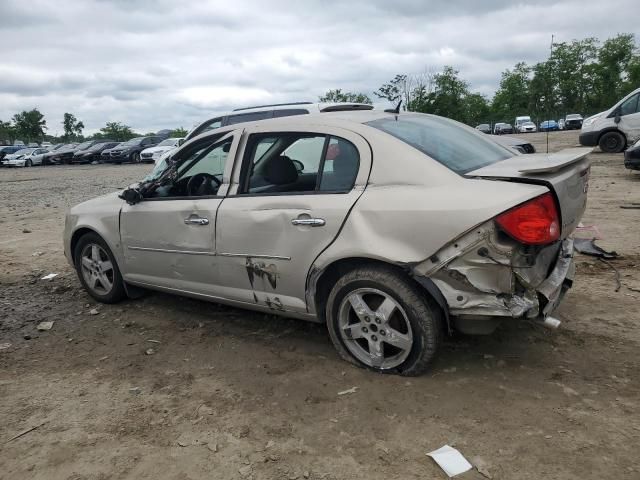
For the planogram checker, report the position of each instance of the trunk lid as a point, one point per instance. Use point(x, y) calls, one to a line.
point(565, 173)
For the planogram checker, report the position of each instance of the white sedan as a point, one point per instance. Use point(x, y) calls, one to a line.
point(26, 157)
point(155, 153)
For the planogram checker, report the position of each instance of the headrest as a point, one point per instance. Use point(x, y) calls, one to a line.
point(280, 171)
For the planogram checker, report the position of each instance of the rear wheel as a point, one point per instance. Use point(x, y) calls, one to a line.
point(612, 142)
point(97, 269)
point(380, 320)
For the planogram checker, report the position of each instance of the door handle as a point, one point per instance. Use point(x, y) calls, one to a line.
point(196, 221)
point(312, 222)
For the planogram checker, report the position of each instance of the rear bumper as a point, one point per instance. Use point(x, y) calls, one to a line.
point(588, 139)
point(632, 159)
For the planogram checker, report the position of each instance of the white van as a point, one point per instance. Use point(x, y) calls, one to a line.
point(518, 125)
point(614, 129)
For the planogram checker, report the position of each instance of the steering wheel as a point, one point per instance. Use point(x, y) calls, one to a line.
point(196, 182)
point(299, 165)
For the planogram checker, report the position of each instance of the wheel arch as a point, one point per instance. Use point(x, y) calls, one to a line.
point(77, 235)
point(320, 281)
point(613, 129)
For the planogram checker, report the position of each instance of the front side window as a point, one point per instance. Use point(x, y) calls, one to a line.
point(297, 163)
point(629, 106)
point(449, 143)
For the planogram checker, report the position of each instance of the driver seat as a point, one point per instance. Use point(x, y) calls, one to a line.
point(281, 173)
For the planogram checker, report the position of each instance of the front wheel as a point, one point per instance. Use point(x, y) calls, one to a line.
point(612, 142)
point(135, 158)
point(28, 163)
point(97, 269)
point(380, 320)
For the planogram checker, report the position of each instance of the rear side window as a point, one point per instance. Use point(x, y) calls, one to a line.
point(296, 163)
point(289, 112)
point(454, 146)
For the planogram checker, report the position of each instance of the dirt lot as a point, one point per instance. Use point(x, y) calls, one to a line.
point(226, 393)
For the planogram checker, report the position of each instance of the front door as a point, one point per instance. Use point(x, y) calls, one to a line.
point(168, 238)
point(286, 205)
point(630, 118)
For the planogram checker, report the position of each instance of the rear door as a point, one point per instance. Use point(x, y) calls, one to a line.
point(287, 203)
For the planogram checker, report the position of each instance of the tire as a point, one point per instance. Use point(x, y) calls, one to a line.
point(135, 158)
point(109, 287)
point(414, 324)
point(28, 163)
point(612, 142)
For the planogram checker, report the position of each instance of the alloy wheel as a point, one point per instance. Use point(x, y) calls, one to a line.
point(97, 269)
point(375, 328)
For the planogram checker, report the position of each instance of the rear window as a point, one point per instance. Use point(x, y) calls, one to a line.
point(458, 148)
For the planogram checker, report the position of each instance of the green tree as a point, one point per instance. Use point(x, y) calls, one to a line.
point(338, 96)
point(7, 133)
point(477, 109)
point(512, 97)
point(616, 72)
point(30, 125)
point(116, 131)
point(72, 127)
point(179, 132)
point(572, 69)
point(394, 89)
point(449, 95)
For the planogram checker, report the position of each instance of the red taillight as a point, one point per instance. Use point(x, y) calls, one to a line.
point(535, 222)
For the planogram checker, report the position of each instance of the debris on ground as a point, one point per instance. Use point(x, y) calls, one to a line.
point(50, 276)
point(43, 326)
point(213, 447)
point(588, 247)
point(153, 341)
point(5, 346)
point(450, 460)
point(135, 390)
point(24, 432)
point(94, 311)
point(26, 230)
point(590, 231)
point(348, 391)
point(37, 254)
point(149, 351)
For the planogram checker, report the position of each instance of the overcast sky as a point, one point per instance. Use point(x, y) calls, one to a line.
point(167, 63)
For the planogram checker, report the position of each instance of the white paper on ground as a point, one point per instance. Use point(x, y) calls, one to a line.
point(450, 460)
point(51, 276)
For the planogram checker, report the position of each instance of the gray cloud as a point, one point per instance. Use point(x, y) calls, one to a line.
point(159, 63)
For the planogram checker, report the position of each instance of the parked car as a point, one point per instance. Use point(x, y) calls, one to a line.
point(46, 145)
point(9, 149)
point(68, 156)
point(520, 121)
point(265, 112)
point(549, 126)
point(502, 128)
point(614, 129)
point(25, 157)
point(129, 151)
point(527, 127)
point(561, 124)
point(153, 154)
point(516, 143)
point(305, 224)
point(105, 155)
point(53, 156)
point(93, 153)
point(632, 157)
point(573, 121)
point(33, 145)
point(484, 128)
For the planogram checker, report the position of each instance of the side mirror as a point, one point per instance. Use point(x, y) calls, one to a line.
point(617, 118)
point(131, 196)
point(181, 141)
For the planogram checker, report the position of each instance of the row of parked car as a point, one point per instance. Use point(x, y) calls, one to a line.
point(525, 125)
point(136, 150)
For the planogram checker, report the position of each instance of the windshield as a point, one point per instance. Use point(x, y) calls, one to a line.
point(133, 141)
point(169, 142)
point(25, 151)
point(450, 143)
point(84, 145)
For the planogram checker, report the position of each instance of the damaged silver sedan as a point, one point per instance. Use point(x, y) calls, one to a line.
point(393, 229)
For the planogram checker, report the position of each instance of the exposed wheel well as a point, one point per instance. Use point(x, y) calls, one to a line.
point(338, 268)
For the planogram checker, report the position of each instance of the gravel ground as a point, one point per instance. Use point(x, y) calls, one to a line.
point(164, 387)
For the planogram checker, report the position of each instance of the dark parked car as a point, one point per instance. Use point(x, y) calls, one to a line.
point(502, 128)
point(632, 157)
point(573, 121)
point(484, 128)
point(68, 155)
point(523, 146)
point(52, 156)
point(93, 153)
point(9, 150)
point(129, 151)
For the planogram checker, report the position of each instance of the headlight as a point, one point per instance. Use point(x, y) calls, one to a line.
point(589, 121)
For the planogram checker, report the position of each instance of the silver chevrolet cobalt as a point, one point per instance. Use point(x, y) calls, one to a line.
point(392, 228)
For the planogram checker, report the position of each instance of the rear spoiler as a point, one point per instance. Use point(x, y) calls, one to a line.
point(551, 162)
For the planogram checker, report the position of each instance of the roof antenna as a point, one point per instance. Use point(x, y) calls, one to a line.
point(548, 97)
point(394, 110)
